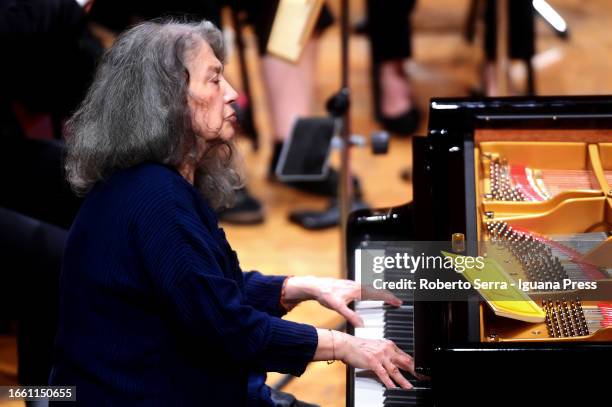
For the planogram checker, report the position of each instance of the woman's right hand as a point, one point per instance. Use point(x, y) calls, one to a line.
point(381, 356)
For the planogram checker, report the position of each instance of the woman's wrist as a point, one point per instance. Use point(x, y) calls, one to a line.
point(301, 288)
point(341, 343)
point(331, 346)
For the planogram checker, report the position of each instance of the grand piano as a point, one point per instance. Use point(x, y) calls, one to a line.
point(535, 170)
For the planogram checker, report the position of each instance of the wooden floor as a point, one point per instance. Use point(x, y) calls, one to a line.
point(444, 65)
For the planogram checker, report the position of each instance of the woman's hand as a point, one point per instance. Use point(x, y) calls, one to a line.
point(381, 356)
point(332, 293)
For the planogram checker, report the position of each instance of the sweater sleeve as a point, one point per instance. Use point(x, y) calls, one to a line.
point(176, 252)
point(264, 292)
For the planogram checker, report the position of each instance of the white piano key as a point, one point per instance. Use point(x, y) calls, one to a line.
point(368, 304)
point(370, 332)
point(371, 313)
point(368, 392)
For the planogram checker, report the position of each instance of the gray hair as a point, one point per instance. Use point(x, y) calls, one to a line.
point(136, 111)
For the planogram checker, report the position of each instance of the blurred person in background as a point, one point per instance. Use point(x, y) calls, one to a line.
point(49, 57)
point(48, 60)
point(521, 41)
point(389, 30)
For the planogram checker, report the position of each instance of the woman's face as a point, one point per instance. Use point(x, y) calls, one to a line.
point(210, 95)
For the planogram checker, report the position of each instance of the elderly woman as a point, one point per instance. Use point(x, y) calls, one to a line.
point(155, 309)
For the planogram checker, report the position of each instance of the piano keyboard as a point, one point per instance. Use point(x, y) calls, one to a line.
point(397, 324)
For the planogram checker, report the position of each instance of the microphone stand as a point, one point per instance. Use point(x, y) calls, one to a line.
point(339, 107)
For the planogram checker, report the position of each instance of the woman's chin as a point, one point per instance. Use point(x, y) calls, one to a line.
point(228, 132)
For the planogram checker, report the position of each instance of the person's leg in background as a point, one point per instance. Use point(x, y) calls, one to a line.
point(390, 34)
point(286, 82)
point(36, 203)
point(289, 87)
point(521, 39)
point(31, 253)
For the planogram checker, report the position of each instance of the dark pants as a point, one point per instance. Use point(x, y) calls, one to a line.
point(282, 399)
point(31, 256)
point(36, 208)
point(390, 29)
point(521, 30)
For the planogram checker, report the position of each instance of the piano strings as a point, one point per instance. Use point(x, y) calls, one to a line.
point(519, 183)
point(566, 319)
point(548, 259)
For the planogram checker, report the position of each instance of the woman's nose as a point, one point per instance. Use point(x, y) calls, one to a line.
point(230, 93)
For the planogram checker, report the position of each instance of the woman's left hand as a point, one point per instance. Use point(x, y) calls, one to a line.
point(332, 293)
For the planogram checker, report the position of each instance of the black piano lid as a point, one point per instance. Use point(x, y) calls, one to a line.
point(549, 112)
point(529, 374)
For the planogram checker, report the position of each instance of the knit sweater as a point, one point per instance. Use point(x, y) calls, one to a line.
point(155, 310)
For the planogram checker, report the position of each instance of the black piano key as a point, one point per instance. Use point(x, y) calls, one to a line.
point(399, 311)
point(413, 380)
point(421, 387)
point(397, 331)
point(399, 338)
point(400, 403)
point(399, 327)
point(399, 316)
point(405, 325)
point(401, 320)
point(402, 323)
point(404, 398)
point(400, 331)
point(399, 341)
point(406, 337)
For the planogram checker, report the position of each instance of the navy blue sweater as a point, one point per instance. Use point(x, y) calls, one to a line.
point(155, 310)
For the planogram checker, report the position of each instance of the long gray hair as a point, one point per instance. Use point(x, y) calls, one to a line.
point(136, 111)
